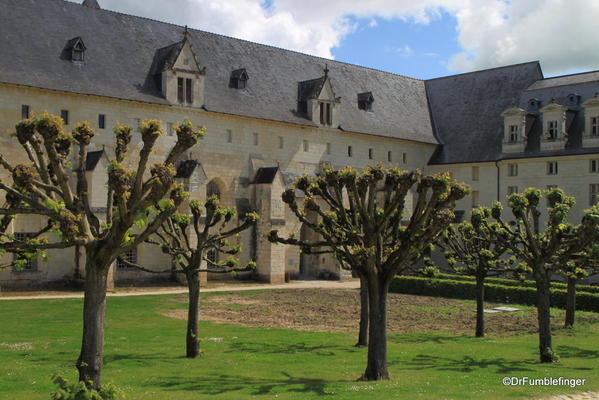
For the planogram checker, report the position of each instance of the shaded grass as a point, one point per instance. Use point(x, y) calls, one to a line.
point(144, 355)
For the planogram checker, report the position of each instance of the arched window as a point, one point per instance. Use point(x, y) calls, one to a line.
point(212, 189)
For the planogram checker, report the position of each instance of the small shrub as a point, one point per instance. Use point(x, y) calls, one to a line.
point(79, 391)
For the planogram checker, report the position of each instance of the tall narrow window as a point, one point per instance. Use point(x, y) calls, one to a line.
point(370, 154)
point(229, 136)
point(180, 90)
point(170, 131)
point(389, 156)
point(328, 148)
point(130, 256)
point(102, 121)
point(350, 151)
point(255, 136)
point(475, 198)
point(595, 126)
point(513, 133)
point(475, 173)
point(64, 114)
point(552, 130)
point(594, 166)
point(281, 142)
point(189, 91)
point(512, 190)
point(24, 111)
point(306, 145)
point(329, 115)
point(594, 193)
point(322, 116)
point(512, 170)
point(404, 157)
point(552, 168)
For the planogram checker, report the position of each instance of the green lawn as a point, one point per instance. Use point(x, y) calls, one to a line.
point(144, 356)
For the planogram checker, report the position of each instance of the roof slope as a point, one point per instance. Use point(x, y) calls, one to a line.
point(466, 110)
point(121, 50)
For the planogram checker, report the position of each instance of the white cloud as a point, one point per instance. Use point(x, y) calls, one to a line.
point(560, 33)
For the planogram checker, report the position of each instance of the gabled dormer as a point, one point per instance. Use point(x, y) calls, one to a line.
point(75, 50)
point(179, 74)
point(316, 101)
point(554, 126)
point(365, 101)
point(239, 78)
point(514, 129)
point(590, 137)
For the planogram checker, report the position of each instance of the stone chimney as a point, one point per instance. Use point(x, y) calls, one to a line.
point(91, 4)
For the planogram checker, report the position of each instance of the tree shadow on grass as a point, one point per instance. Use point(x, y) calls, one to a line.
point(215, 385)
point(425, 338)
point(466, 364)
point(576, 352)
point(270, 348)
point(145, 359)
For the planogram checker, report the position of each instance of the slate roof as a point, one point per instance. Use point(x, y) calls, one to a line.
point(565, 80)
point(466, 110)
point(310, 89)
point(121, 52)
point(92, 160)
point(265, 175)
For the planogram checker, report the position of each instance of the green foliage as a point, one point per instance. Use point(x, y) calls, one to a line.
point(430, 271)
point(80, 391)
point(463, 289)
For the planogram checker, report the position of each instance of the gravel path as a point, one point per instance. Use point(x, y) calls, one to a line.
point(578, 396)
point(350, 284)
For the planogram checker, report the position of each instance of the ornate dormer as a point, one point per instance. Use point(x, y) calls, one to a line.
point(316, 100)
point(75, 50)
point(365, 101)
point(554, 134)
point(590, 137)
point(239, 79)
point(178, 73)
point(514, 129)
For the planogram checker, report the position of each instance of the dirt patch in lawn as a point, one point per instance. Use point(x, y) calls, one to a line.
point(338, 311)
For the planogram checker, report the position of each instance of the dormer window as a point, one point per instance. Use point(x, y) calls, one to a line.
point(555, 132)
point(513, 134)
point(239, 79)
point(74, 50)
point(185, 90)
point(365, 101)
point(326, 116)
point(317, 102)
point(552, 130)
point(595, 126)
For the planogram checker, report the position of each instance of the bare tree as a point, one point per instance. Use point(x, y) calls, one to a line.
point(54, 186)
point(543, 251)
point(364, 223)
point(189, 252)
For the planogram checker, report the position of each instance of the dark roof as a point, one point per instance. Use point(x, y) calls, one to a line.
point(566, 80)
point(93, 157)
point(265, 175)
point(466, 110)
point(91, 4)
point(121, 57)
point(186, 168)
point(240, 73)
point(165, 58)
point(310, 89)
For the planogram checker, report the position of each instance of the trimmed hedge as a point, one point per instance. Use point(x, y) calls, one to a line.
point(464, 289)
point(514, 282)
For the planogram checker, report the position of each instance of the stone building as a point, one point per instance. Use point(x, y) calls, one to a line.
point(273, 114)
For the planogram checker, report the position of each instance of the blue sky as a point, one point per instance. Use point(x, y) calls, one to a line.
point(402, 47)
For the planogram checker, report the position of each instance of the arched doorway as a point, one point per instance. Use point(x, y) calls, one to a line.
point(213, 189)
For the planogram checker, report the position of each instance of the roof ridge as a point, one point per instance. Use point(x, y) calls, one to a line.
point(245, 40)
point(566, 75)
point(485, 70)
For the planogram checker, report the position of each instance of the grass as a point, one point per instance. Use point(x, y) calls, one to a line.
point(144, 356)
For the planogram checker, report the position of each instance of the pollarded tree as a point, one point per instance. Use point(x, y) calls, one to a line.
point(51, 185)
point(580, 266)
point(470, 249)
point(364, 222)
point(188, 252)
point(543, 249)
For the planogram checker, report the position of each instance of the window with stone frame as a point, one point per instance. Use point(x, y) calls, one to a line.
point(64, 114)
point(306, 145)
point(328, 148)
point(552, 168)
point(593, 194)
point(189, 91)
point(513, 134)
point(595, 126)
point(180, 90)
point(326, 115)
point(594, 166)
point(475, 198)
point(350, 151)
point(512, 170)
point(475, 173)
point(31, 264)
point(389, 156)
point(281, 142)
point(370, 154)
point(25, 111)
point(130, 256)
point(552, 130)
point(101, 121)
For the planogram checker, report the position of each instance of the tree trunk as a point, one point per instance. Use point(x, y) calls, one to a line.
point(570, 302)
point(544, 318)
point(363, 334)
point(91, 357)
point(193, 344)
point(480, 306)
point(376, 367)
